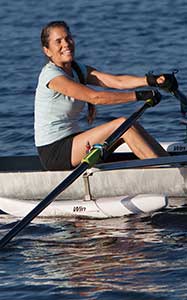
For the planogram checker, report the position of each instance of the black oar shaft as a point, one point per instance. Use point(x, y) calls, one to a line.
point(125, 125)
point(180, 96)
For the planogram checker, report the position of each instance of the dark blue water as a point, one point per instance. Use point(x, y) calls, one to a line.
point(129, 258)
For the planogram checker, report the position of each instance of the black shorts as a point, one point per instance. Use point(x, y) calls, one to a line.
point(57, 156)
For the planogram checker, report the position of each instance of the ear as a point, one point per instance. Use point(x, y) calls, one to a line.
point(47, 52)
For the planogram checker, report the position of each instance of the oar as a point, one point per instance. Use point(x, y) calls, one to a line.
point(180, 96)
point(183, 100)
point(91, 159)
point(173, 160)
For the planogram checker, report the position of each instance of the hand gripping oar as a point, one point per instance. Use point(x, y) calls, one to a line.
point(169, 85)
point(90, 159)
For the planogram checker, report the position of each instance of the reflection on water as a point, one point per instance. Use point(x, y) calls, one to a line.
point(87, 258)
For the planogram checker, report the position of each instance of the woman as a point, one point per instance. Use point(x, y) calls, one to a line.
point(60, 98)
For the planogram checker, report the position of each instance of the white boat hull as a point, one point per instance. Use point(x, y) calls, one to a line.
point(100, 208)
point(22, 180)
point(171, 181)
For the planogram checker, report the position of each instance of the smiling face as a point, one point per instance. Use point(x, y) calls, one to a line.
point(60, 48)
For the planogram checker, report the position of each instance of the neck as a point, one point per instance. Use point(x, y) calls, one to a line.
point(66, 67)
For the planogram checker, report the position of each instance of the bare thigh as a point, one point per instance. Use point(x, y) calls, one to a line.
point(142, 144)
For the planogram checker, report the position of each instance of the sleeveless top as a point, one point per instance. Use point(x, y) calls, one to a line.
point(56, 115)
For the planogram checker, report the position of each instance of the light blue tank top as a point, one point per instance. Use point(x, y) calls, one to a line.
point(56, 115)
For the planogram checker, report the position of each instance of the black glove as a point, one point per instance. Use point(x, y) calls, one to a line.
point(152, 97)
point(170, 84)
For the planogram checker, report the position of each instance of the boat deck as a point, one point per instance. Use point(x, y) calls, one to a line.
point(32, 162)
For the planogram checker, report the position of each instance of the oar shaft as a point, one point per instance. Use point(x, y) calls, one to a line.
point(126, 125)
point(180, 96)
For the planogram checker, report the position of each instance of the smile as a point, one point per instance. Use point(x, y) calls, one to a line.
point(67, 52)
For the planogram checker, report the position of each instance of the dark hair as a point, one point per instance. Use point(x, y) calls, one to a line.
point(46, 31)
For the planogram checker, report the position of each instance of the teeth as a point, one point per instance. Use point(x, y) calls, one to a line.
point(67, 51)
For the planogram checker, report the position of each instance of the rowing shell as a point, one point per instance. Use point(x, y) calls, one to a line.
point(164, 175)
point(100, 208)
point(100, 192)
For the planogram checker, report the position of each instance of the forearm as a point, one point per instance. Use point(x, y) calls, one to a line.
point(105, 97)
point(115, 81)
point(152, 96)
point(129, 82)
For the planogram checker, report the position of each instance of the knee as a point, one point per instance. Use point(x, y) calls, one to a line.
point(121, 120)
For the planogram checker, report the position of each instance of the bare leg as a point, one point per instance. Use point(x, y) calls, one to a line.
point(140, 142)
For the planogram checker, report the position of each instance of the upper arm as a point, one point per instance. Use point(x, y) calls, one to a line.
point(68, 87)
